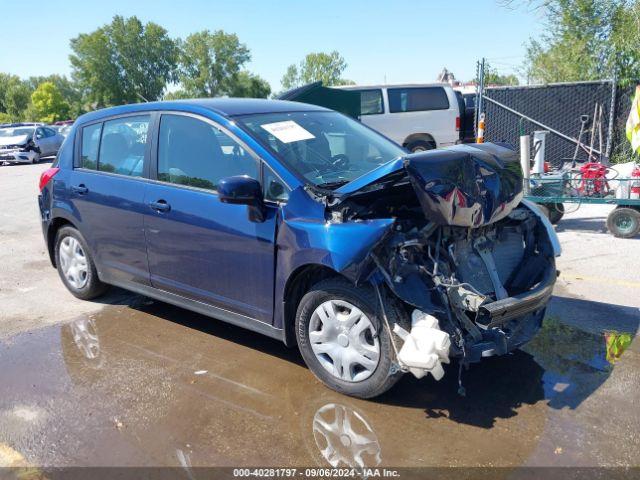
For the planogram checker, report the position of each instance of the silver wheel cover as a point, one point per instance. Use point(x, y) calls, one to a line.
point(344, 340)
point(73, 262)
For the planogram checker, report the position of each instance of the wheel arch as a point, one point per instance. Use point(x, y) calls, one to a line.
point(300, 282)
point(419, 137)
point(56, 224)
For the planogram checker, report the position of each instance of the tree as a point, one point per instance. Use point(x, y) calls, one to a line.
point(493, 77)
point(586, 40)
point(324, 67)
point(124, 62)
point(48, 103)
point(17, 96)
point(210, 63)
point(69, 89)
point(250, 85)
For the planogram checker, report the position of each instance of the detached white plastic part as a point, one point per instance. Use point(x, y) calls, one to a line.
point(425, 348)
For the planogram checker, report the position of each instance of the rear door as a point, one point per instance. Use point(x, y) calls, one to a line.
point(107, 190)
point(198, 247)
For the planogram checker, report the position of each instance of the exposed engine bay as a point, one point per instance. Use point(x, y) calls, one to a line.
point(465, 255)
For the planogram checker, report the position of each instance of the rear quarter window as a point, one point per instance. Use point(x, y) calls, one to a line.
point(90, 146)
point(417, 99)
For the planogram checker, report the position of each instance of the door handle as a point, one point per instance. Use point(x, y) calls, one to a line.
point(160, 206)
point(79, 189)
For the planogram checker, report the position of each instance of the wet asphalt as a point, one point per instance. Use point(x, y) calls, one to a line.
point(151, 384)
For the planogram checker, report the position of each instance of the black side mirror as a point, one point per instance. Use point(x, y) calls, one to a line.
point(243, 190)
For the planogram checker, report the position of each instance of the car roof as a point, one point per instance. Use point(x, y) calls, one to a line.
point(227, 107)
point(392, 85)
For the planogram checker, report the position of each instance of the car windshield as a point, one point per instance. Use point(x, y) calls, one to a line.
point(326, 148)
point(15, 132)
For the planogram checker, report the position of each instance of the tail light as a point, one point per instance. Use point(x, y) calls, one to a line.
point(457, 124)
point(46, 176)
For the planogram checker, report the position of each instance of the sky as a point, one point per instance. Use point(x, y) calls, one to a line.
point(392, 41)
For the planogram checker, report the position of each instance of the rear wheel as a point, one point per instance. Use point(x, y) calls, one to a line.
point(341, 337)
point(421, 146)
point(75, 265)
point(624, 222)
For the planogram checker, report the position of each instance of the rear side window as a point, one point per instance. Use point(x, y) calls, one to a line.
point(195, 153)
point(417, 99)
point(123, 145)
point(90, 145)
point(370, 102)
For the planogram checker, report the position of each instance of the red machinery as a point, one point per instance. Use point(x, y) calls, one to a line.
point(593, 180)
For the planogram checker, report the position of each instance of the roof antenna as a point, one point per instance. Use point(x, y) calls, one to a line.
point(146, 101)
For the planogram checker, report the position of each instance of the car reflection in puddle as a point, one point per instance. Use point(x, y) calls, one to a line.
point(345, 438)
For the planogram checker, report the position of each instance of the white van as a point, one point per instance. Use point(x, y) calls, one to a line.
point(417, 116)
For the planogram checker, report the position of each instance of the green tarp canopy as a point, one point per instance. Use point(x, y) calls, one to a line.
point(343, 101)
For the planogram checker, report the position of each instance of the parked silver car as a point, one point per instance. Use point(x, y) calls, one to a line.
point(28, 144)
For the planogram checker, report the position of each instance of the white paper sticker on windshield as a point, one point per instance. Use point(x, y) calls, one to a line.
point(288, 131)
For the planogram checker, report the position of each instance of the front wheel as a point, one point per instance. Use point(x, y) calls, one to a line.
point(340, 334)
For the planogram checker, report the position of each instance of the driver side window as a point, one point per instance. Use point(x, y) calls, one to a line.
point(195, 153)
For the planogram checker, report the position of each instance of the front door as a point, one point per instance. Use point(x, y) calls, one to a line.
point(198, 247)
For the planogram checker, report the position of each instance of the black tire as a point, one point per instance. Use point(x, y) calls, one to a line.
point(364, 298)
point(555, 212)
point(421, 146)
point(93, 287)
point(624, 222)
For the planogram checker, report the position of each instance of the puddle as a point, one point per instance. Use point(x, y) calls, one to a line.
point(157, 385)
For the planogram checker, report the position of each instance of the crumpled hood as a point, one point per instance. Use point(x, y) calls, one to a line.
point(465, 185)
point(16, 140)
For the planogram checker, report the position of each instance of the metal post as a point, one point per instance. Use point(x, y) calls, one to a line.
point(612, 114)
point(477, 98)
point(479, 105)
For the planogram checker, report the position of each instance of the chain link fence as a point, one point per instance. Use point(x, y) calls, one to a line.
point(563, 109)
point(621, 149)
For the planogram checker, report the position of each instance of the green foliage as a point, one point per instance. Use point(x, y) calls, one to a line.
point(587, 40)
point(68, 88)
point(124, 62)
point(5, 117)
point(16, 97)
point(324, 67)
point(176, 95)
point(493, 77)
point(249, 85)
point(210, 63)
point(48, 103)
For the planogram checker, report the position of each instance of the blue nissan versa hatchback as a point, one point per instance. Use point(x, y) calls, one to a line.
point(302, 224)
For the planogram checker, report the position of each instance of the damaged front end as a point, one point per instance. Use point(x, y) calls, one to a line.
point(465, 254)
